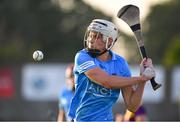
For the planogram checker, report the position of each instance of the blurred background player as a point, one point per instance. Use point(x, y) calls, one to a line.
point(119, 117)
point(139, 116)
point(66, 94)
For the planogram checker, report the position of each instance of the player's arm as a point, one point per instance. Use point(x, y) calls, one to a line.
point(114, 82)
point(132, 97)
point(61, 116)
point(85, 64)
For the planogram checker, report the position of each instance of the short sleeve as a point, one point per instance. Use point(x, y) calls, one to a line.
point(84, 62)
point(127, 72)
point(60, 104)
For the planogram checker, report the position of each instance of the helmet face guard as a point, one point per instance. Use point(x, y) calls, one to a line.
point(104, 27)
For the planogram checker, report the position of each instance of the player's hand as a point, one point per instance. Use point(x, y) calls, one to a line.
point(142, 67)
point(149, 72)
point(145, 63)
point(147, 69)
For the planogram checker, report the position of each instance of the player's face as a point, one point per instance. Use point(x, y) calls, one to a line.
point(70, 82)
point(95, 41)
point(69, 79)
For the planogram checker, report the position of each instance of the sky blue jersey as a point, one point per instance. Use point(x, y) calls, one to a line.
point(65, 97)
point(93, 102)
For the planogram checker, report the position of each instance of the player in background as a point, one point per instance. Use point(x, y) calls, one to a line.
point(66, 95)
point(139, 116)
point(100, 74)
point(119, 117)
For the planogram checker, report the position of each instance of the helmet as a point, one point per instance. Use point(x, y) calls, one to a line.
point(106, 28)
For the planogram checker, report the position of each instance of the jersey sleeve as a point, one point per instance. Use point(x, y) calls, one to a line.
point(127, 72)
point(61, 107)
point(84, 62)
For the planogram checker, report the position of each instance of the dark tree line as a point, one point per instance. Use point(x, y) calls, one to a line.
point(27, 25)
point(163, 35)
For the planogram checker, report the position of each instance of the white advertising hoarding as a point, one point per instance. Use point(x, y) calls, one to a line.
point(176, 85)
point(45, 81)
point(42, 81)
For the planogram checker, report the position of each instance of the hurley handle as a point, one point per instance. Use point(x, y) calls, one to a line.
point(153, 82)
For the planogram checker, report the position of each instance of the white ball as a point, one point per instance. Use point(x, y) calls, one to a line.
point(38, 55)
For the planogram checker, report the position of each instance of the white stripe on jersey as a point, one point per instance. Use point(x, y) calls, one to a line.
point(86, 65)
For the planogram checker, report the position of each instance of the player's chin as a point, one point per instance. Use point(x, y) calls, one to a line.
point(91, 46)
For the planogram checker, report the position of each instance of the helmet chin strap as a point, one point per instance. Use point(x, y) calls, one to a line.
point(95, 52)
